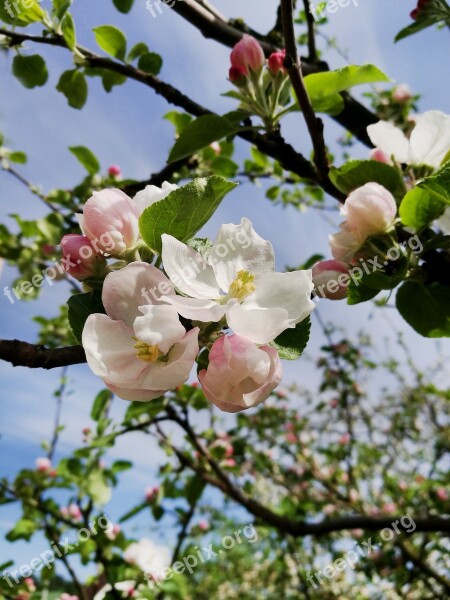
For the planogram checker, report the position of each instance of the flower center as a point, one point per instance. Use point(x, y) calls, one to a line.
point(242, 286)
point(147, 353)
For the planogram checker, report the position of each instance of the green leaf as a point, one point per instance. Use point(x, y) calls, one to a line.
point(18, 157)
point(150, 62)
point(194, 489)
point(68, 31)
point(97, 488)
point(137, 51)
point(184, 211)
point(414, 28)
point(200, 133)
point(121, 465)
point(31, 71)
point(224, 167)
point(425, 308)
point(60, 8)
point(438, 184)
point(179, 120)
point(102, 399)
point(419, 208)
point(22, 530)
point(80, 307)
point(87, 158)
point(123, 6)
point(110, 79)
point(291, 343)
point(149, 409)
point(134, 511)
point(357, 292)
point(22, 17)
point(112, 40)
point(74, 87)
point(356, 173)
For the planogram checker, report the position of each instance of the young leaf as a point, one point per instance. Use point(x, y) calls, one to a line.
point(23, 15)
point(74, 87)
point(291, 343)
point(356, 173)
point(112, 40)
point(150, 62)
point(123, 6)
point(68, 31)
point(184, 211)
point(419, 208)
point(87, 158)
point(101, 400)
point(80, 307)
point(137, 51)
point(31, 71)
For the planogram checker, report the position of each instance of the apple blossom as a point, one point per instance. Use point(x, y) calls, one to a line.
point(379, 156)
point(114, 171)
point(236, 280)
point(43, 464)
point(429, 142)
point(240, 375)
point(139, 350)
point(112, 533)
point(247, 54)
point(82, 261)
point(151, 194)
point(128, 589)
point(238, 76)
point(401, 93)
point(328, 279)
point(147, 556)
point(275, 62)
point(110, 219)
point(151, 493)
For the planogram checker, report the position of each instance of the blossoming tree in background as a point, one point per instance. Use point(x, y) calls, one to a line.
point(316, 472)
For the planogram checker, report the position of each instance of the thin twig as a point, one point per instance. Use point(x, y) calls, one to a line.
point(311, 25)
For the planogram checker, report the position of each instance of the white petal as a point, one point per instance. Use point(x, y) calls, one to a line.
point(110, 351)
point(389, 139)
point(199, 310)
point(167, 375)
point(188, 270)
point(430, 139)
point(444, 222)
point(259, 325)
point(134, 395)
point(135, 285)
point(240, 248)
point(151, 194)
point(159, 326)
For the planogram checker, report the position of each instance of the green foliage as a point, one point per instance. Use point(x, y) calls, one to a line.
point(87, 158)
point(419, 208)
point(68, 31)
point(150, 62)
point(73, 85)
point(112, 40)
point(356, 173)
point(123, 6)
point(184, 211)
point(291, 343)
point(29, 13)
point(80, 307)
point(425, 308)
point(31, 71)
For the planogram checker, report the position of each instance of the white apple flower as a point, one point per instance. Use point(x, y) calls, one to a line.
point(139, 349)
point(151, 194)
point(128, 589)
point(236, 280)
point(428, 144)
point(147, 556)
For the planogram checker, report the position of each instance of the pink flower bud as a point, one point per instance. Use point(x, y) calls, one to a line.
point(115, 171)
point(80, 258)
point(240, 374)
point(203, 525)
point(344, 439)
point(215, 147)
point(331, 279)
point(238, 76)
point(86, 431)
point(229, 462)
point(247, 54)
point(380, 156)
point(389, 507)
point(401, 93)
point(275, 62)
point(111, 219)
point(441, 493)
point(151, 493)
point(74, 512)
point(43, 464)
point(291, 438)
point(370, 210)
point(48, 249)
point(113, 532)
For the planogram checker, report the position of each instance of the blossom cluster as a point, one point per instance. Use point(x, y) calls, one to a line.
point(226, 305)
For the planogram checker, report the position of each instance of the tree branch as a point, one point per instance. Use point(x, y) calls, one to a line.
point(23, 354)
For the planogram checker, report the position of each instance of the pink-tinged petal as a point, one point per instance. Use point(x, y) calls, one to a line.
point(331, 279)
point(344, 244)
point(110, 351)
point(247, 54)
point(176, 370)
point(240, 375)
point(159, 326)
point(196, 309)
point(188, 270)
point(430, 139)
point(82, 261)
point(135, 395)
point(137, 284)
point(369, 210)
point(390, 139)
point(111, 218)
point(240, 248)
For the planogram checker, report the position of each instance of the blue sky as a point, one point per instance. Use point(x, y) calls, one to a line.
point(125, 128)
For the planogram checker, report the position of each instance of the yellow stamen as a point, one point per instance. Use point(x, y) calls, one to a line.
point(147, 353)
point(242, 286)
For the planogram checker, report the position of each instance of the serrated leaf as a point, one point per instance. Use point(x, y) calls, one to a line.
point(184, 211)
point(31, 71)
point(438, 184)
point(112, 40)
point(291, 343)
point(74, 86)
point(356, 173)
point(87, 158)
point(200, 133)
point(419, 208)
point(80, 307)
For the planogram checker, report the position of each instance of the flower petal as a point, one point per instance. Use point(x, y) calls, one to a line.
point(240, 248)
point(159, 326)
point(196, 309)
point(389, 139)
point(151, 194)
point(110, 351)
point(260, 325)
point(430, 139)
point(134, 395)
point(135, 285)
point(188, 270)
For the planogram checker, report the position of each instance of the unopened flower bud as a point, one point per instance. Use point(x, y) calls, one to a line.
point(275, 62)
point(80, 258)
point(330, 278)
